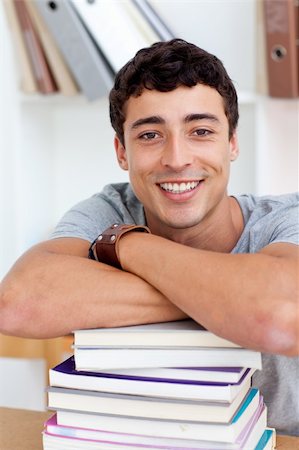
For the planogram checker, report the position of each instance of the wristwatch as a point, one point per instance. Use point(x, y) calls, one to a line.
point(104, 247)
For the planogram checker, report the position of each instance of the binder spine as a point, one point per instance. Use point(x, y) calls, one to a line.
point(281, 17)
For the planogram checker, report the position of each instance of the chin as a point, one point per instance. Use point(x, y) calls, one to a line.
point(183, 222)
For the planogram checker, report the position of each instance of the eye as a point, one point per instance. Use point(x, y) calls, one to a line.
point(149, 135)
point(202, 132)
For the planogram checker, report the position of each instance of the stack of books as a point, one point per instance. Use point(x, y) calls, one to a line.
point(69, 46)
point(164, 386)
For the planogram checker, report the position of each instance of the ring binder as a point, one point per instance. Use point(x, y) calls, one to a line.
point(281, 33)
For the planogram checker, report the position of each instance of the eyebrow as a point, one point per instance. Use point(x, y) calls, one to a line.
point(202, 116)
point(160, 121)
point(147, 120)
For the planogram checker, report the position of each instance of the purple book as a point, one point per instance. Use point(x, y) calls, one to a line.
point(132, 382)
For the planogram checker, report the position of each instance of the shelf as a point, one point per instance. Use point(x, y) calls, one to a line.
point(55, 99)
point(244, 98)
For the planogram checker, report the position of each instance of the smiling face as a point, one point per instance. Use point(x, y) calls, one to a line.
point(177, 151)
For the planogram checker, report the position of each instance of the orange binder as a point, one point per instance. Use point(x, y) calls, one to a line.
point(281, 33)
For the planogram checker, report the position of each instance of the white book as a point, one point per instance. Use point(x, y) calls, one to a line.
point(249, 412)
point(249, 441)
point(114, 29)
point(154, 19)
point(98, 359)
point(140, 406)
point(181, 333)
point(64, 375)
point(144, 26)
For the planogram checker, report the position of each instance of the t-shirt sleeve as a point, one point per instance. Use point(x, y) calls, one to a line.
point(86, 220)
point(286, 226)
point(116, 203)
point(268, 220)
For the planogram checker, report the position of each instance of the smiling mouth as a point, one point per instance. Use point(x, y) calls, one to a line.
point(180, 188)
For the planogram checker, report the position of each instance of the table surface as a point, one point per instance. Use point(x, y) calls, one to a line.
point(21, 430)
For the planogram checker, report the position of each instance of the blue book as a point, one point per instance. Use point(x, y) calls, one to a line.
point(267, 440)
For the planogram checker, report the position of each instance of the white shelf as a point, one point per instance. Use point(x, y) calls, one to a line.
point(244, 98)
point(54, 99)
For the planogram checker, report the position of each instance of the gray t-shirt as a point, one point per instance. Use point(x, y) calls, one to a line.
point(267, 220)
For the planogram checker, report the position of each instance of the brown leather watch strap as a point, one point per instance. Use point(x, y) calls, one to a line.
point(103, 249)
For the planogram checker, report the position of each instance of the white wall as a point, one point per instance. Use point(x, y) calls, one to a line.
point(277, 124)
point(22, 383)
point(223, 27)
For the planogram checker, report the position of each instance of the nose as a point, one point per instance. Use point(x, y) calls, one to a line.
point(176, 154)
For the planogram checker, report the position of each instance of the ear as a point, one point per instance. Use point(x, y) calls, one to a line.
point(233, 147)
point(121, 154)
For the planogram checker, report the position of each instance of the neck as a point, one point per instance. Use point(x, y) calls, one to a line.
point(218, 232)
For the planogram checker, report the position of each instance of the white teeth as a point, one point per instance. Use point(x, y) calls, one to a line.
point(178, 188)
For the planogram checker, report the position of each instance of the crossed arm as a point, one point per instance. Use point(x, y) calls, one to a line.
point(54, 289)
point(250, 299)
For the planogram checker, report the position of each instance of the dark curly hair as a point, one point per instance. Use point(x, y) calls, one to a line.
point(164, 66)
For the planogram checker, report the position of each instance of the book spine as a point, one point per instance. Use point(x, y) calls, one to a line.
point(44, 78)
point(27, 80)
point(281, 47)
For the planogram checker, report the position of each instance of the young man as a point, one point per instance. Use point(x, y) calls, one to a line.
point(229, 263)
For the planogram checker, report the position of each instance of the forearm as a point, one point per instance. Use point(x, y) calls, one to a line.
point(61, 293)
point(241, 297)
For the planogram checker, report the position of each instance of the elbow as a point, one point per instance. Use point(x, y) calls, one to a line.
point(14, 316)
point(281, 332)
point(278, 316)
point(282, 341)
